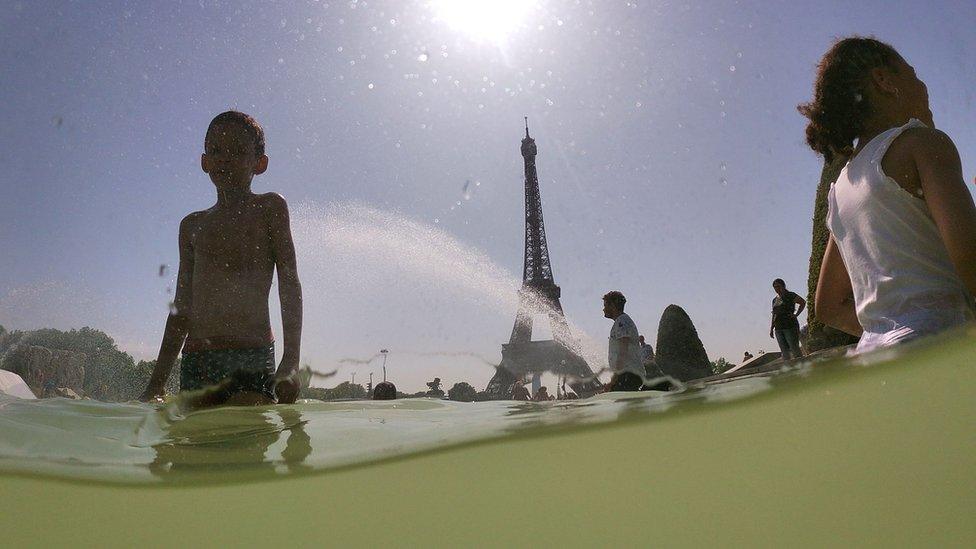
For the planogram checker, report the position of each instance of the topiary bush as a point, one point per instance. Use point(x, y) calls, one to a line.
point(462, 392)
point(680, 352)
point(820, 336)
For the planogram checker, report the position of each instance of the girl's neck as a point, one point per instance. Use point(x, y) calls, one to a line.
point(878, 124)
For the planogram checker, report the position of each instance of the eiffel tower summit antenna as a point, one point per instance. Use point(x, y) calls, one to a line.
point(539, 295)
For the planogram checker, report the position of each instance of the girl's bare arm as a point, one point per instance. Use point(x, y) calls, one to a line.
point(834, 303)
point(948, 199)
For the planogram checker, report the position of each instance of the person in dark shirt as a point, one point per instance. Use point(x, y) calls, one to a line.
point(542, 395)
point(519, 392)
point(784, 325)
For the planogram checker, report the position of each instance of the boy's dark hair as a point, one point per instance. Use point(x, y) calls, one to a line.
point(616, 298)
point(246, 121)
point(840, 103)
point(780, 282)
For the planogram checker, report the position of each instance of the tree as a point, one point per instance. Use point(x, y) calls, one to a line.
point(110, 374)
point(819, 335)
point(721, 365)
point(680, 353)
point(462, 392)
point(342, 391)
point(9, 339)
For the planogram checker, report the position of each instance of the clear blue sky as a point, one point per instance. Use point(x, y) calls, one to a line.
point(672, 163)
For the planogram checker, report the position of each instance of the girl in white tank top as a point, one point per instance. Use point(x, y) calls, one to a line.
point(901, 259)
point(903, 280)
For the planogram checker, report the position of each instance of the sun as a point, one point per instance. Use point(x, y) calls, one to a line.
point(482, 20)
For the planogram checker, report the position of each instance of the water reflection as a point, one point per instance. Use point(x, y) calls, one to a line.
point(142, 444)
point(233, 438)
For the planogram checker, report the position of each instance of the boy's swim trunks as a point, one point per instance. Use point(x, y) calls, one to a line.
point(247, 370)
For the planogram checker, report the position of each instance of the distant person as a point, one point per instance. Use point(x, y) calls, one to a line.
point(784, 323)
point(567, 394)
point(434, 388)
point(542, 395)
point(746, 356)
point(229, 254)
point(519, 391)
point(647, 352)
point(384, 390)
point(901, 259)
point(651, 369)
point(624, 348)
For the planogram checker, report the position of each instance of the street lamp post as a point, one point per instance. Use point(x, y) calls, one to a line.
point(384, 353)
point(354, 378)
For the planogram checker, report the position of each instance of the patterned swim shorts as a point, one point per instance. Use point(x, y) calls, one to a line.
point(245, 370)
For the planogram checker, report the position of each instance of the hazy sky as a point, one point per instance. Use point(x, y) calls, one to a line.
point(671, 159)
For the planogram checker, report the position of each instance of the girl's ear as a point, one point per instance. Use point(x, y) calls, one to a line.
point(204, 163)
point(883, 80)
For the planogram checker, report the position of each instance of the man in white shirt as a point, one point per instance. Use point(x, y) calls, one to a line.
point(624, 349)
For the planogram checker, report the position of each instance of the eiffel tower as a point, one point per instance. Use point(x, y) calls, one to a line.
point(539, 295)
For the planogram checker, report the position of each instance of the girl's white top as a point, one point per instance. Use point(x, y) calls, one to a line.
point(904, 282)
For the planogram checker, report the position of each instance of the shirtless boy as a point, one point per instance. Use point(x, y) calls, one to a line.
point(228, 255)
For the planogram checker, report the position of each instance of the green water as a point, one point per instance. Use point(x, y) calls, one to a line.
point(873, 452)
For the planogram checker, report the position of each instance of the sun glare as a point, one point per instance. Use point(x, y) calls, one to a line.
point(482, 20)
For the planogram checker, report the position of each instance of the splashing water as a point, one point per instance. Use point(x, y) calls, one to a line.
point(411, 273)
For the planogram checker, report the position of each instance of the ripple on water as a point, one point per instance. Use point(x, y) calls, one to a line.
point(136, 443)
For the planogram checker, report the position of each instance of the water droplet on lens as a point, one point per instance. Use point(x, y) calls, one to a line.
point(731, 68)
point(723, 181)
point(723, 166)
point(423, 57)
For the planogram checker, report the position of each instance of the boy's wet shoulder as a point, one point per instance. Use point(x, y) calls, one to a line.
point(192, 220)
point(271, 201)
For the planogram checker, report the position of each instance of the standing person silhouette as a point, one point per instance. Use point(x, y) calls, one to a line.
point(784, 322)
point(229, 254)
point(624, 349)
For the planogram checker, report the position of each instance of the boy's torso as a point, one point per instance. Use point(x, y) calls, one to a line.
point(233, 266)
